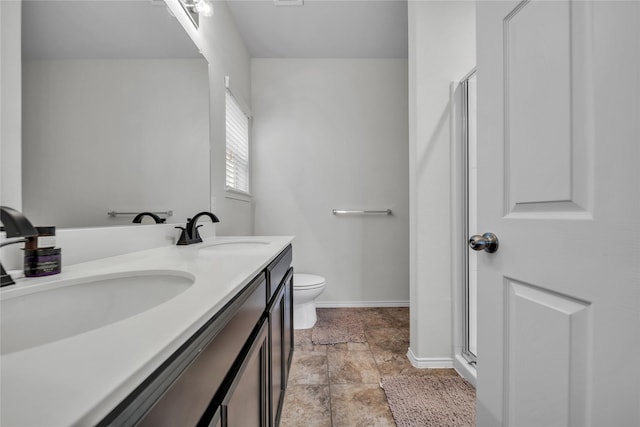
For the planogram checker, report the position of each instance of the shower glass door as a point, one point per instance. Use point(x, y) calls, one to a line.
point(470, 282)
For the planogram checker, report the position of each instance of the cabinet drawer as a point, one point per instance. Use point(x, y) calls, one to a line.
point(277, 270)
point(189, 396)
point(245, 404)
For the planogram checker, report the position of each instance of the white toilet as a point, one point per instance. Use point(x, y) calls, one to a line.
point(306, 288)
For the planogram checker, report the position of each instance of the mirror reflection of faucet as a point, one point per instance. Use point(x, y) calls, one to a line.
point(190, 234)
point(156, 218)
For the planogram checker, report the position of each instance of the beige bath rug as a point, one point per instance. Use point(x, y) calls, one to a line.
point(336, 326)
point(430, 401)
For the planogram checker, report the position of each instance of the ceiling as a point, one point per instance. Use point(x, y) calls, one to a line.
point(114, 29)
point(90, 29)
point(323, 28)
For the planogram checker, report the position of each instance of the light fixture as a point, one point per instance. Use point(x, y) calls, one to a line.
point(197, 8)
point(201, 7)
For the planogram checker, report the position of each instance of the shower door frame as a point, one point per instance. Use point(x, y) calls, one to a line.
point(465, 361)
point(466, 351)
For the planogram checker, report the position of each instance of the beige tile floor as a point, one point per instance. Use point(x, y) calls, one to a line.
point(339, 385)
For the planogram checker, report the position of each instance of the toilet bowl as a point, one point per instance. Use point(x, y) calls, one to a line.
point(306, 288)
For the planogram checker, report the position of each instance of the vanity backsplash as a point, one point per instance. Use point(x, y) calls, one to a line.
point(87, 244)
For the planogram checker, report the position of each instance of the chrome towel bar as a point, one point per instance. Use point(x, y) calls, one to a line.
point(343, 212)
point(114, 213)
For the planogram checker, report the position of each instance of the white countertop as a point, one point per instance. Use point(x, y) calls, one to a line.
point(78, 380)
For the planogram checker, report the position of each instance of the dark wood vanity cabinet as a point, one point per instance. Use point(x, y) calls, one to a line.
point(281, 339)
point(233, 371)
point(246, 401)
point(288, 325)
point(189, 396)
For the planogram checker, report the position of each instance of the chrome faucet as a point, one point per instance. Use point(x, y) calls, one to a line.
point(190, 233)
point(156, 218)
point(15, 225)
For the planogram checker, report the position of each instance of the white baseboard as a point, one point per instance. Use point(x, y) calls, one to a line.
point(355, 304)
point(429, 362)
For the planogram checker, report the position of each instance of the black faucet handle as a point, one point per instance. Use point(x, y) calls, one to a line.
point(184, 238)
point(5, 278)
point(196, 234)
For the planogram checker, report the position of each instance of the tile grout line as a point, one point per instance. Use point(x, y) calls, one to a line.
point(329, 381)
point(375, 360)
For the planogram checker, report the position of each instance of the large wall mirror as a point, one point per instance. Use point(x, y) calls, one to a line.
point(115, 113)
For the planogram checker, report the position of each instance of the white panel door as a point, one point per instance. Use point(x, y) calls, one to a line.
point(558, 183)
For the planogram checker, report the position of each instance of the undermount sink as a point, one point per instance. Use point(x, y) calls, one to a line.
point(67, 308)
point(236, 245)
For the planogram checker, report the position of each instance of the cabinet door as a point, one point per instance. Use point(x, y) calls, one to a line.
point(287, 327)
point(276, 323)
point(280, 343)
point(245, 405)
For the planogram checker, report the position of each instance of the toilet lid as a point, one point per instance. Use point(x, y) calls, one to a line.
point(302, 280)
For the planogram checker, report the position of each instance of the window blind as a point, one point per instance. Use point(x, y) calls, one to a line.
point(237, 124)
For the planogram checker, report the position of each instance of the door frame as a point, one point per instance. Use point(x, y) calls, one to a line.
point(459, 226)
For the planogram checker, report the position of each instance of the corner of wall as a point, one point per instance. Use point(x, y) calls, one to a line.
point(441, 49)
point(11, 104)
point(223, 46)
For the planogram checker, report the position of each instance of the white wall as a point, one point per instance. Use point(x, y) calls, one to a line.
point(222, 45)
point(10, 105)
point(332, 134)
point(125, 134)
point(441, 50)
